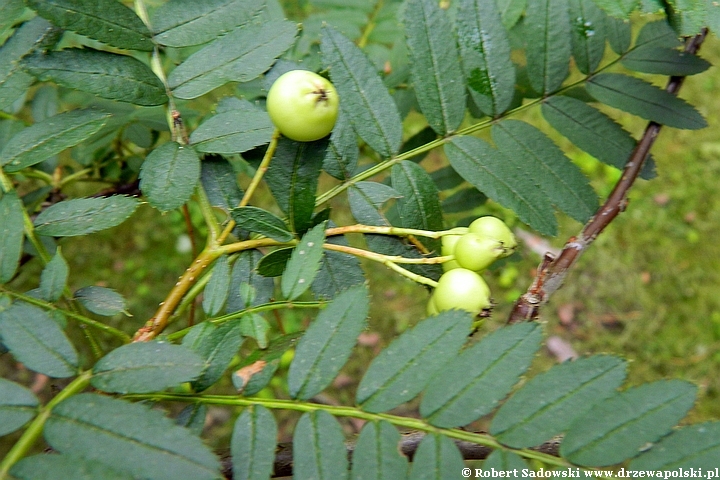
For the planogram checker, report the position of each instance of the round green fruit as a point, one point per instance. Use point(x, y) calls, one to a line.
point(302, 105)
point(448, 246)
point(462, 289)
point(431, 309)
point(493, 227)
point(476, 252)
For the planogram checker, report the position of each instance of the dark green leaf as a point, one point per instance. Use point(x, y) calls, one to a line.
point(338, 271)
point(64, 466)
point(549, 402)
point(304, 263)
point(617, 8)
point(446, 178)
point(664, 61)
point(49, 137)
point(342, 153)
point(145, 367)
point(217, 289)
point(588, 34)
point(101, 300)
point(560, 179)
point(293, 176)
point(366, 198)
point(273, 264)
point(168, 175)
point(18, 405)
point(687, 17)
point(232, 132)
point(11, 234)
point(418, 205)
point(107, 75)
point(363, 96)
point(645, 100)
point(193, 418)
point(129, 437)
point(182, 23)
point(463, 200)
point(403, 369)
point(108, 21)
point(486, 56)
point(436, 74)
point(376, 454)
point(269, 361)
point(37, 341)
point(253, 443)
point(692, 446)
point(220, 183)
point(503, 460)
point(54, 278)
point(618, 427)
point(327, 343)
point(548, 39)
point(240, 56)
point(248, 288)
point(592, 131)
point(473, 384)
point(618, 34)
point(81, 216)
point(255, 326)
point(319, 448)
point(656, 34)
point(503, 179)
point(263, 222)
point(437, 458)
point(217, 346)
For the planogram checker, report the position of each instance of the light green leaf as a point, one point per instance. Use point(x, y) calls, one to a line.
point(327, 343)
point(218, 346)
point(37, 341)
point(145, 367)
point(108, 21)
point(319, 448)
point(618, 8)
point(645, 100)
point(183, 23)
point(418, 204)
point(233, 132)
point(304, 263)
point(376, 454)
point(486, 55)
point(54, 277)
point(435, 69)
point(64, 466)
point(692, 446)
point(437, 458)
point(81, 216)
point(480, 377)
point(253, 443)
point(18, 405)
point(49, 137)
point(107, 75)
point(549, 402)
point(101, 300)
point(218, 287)
point(664, 61)
point(256, 327)
point(547, 32)
point(363, 97)
point(263, 222)
point(403, 369)
point(129, 437)
point(10, 10)
point(168, 175)
point(618, 427)
point(11, 234)
point(588, 34)
point(239, 56)
point(502, 178)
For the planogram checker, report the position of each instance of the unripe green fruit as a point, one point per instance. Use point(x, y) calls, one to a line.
point(493, 227)
point(302, 105)
point(431, 308)
point(462, 289)
point(476, 252)
point(448, 246)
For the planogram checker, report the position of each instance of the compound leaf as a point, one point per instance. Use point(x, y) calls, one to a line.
point(319, 448)
point(168, 175)
point(253, 443)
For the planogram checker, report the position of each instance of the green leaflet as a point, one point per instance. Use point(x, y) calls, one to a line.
point(11, 234)
point(183, 23)
point(403, 369)
point(248, 288)
point(250, 385)
point(37, 341)
point(511, 11)
point(617, 8)
point(437, 458)
point(304, 263)
point(342, 154)
point(616, 428)
point(256, 327)
point(239, 56)
point(218, 287)
point(108, 21)
point(273, 264)
point(664, 61)
point(253, 443)
point(10, 10)
point(588, 34)
point(65, 466)
point(640, 98)
point(503, 460)
point(319, 448)
point(101, 300)
point(169, 175)
point(547, 31)
point(434, 65)
point(364, 98)
point(129, 437)
point(193, 417)
point(18, 405)
point(232, 132)
point(338, 271)
point(692, 446)
point(327, 343)
point(220, 183)
point(107, 75)
point(263, 222)
point(49, 137)
point(376, 454)
point(486, 55)
point(145, 367)
point(618, 34)
point(54, 278)
point(217, 346)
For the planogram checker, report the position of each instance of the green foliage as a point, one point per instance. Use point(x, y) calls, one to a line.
point(424, 136)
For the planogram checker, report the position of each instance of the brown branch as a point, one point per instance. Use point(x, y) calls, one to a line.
point(552, 271)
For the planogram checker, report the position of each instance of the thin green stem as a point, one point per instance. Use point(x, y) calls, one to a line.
point(34, 240)
point(5, 183)
point(379, 257)
point(412, 276)
point(34, 430)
